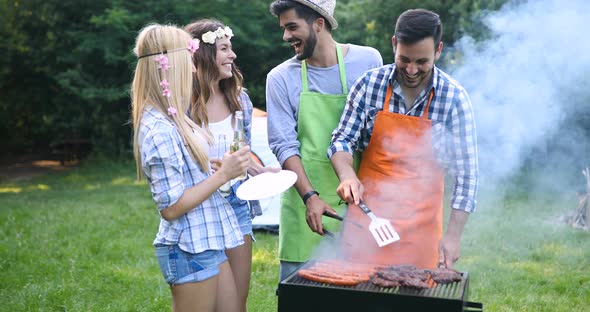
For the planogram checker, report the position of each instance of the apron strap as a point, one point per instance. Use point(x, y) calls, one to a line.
point(388, 99)
point(304, 87)
point(427, 109)
point(341, 69)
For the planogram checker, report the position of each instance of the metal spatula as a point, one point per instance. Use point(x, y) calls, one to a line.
point(381, 229)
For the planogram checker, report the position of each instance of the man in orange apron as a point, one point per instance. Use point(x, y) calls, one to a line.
point(305, 96)
point(413, 121)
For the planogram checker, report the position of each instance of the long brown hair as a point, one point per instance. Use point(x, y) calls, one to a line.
point(146, 89)
point(207, 72)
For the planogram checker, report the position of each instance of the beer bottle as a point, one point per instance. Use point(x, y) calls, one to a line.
point(239, 140)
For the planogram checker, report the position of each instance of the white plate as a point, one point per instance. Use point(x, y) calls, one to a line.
point(266, 185)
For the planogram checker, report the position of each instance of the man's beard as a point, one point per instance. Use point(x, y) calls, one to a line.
point(402, 78)
point(308, 46)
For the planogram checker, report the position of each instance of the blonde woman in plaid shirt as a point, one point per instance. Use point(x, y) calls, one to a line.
point(197, 225)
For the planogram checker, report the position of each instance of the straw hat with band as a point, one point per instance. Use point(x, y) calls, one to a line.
point(324, 7)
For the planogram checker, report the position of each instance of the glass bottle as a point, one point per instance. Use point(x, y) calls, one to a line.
point(239, 140)
point(222, 147)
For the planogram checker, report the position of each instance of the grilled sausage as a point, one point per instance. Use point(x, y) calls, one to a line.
point(328, 278)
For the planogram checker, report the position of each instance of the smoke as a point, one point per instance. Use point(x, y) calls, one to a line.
point(529, 88)
point(528, 84)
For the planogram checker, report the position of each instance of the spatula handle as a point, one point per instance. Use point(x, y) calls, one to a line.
point(364, 207)
point(338, 217)
point(329, 234)
point(333, 216)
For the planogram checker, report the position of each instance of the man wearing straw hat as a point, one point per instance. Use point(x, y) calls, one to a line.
point(305, 96)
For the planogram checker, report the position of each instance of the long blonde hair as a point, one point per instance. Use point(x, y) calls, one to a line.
point(146, 89)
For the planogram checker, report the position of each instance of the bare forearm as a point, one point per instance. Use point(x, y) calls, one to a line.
point(194, 196)
point(456, 224)
point(342, 163)
point(449, 249)
point(303, 185)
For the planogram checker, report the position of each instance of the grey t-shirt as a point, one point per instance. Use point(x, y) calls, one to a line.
point(283, 86)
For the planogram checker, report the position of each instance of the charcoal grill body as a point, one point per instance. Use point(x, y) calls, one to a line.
point(297, 294)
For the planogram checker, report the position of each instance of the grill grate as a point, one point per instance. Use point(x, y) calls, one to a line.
point(447, 291)
point(297, 293)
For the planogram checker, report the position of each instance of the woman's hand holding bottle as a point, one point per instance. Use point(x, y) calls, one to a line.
point(235, 163)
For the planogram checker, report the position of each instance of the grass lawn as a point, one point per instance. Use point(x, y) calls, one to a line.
point(81, 241)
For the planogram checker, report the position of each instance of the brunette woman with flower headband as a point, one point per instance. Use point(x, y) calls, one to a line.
point(171, 151)
point(217, 94)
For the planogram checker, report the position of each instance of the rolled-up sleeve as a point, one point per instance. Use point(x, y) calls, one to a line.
point(162, 164)
point(281, 120)
point(248, 109)
point(464, 154)
point(346, 136)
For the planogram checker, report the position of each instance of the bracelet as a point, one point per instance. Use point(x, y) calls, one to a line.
point(308, 195)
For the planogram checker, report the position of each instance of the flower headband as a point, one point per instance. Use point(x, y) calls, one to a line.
point(210, 36)
point(193, 45)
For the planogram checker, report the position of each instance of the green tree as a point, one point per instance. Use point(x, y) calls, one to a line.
point(66, 66)
point(372, 22)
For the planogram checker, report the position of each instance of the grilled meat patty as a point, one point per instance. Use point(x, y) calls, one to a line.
point(444, 276)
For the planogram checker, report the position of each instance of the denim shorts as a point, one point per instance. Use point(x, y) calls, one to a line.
point(179, 266)
point(242, 211)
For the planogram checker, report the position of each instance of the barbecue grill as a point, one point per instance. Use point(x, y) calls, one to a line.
point(299, 294)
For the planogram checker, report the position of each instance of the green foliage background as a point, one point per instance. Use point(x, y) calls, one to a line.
point(66, 66)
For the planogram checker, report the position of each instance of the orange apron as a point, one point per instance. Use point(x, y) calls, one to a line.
point(403, 183)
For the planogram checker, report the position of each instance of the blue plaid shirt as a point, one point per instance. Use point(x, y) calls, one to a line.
point(248, 109)
point(170, 170)
point(453, 125)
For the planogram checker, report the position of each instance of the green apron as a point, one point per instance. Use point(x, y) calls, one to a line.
point(319, 115)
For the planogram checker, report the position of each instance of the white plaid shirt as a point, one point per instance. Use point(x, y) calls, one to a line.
point(170, 170)
point(453, 125)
